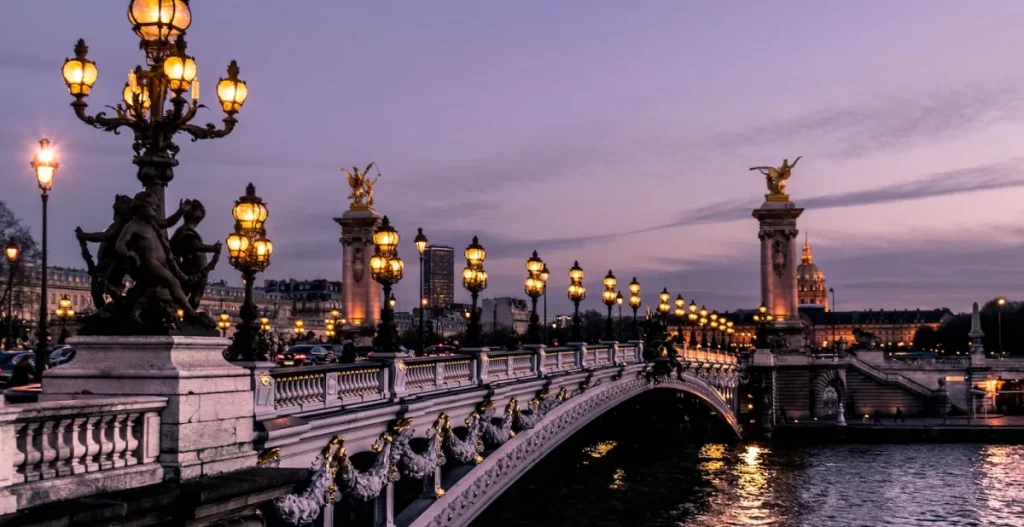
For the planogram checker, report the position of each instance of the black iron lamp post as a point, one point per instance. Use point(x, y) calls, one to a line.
point(45, 165)
point(702, 320)
point(577, 292)
point(680, 317)
point(264, 326)
point(299, 328)
point(544, 275)
point(331, 326)
point(634, 303)
point(474, 279)
point(762, 318)
point(714, 330)
point(664, 307)
point(691, 317)
point(224, 324)
point(1000, 302)
point(534, 287)
point(392, 301)
point(421, 247)
point(63, 313)
point(386, 268)
point(154, 105)
point(12, 252)
point(249, 251)
point(608, 297)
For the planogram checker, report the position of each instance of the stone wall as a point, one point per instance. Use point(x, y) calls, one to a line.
point(865, 395)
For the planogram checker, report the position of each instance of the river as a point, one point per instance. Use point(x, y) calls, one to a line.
point(613, 473)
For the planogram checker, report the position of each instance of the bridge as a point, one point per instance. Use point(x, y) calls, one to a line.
point(467, 426)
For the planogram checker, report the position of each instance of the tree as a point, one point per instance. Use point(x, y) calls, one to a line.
point(11, 229)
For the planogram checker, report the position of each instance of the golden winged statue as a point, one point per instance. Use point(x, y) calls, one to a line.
point(775, 178)
point(362, 187)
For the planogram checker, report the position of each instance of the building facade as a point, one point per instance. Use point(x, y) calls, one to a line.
point(310, 301)
point(505, 312)
point(438, 276)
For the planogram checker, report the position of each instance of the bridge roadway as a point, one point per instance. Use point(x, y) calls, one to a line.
point(487, 417)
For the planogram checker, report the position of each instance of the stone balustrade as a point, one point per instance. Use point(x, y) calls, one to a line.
point(62, 450)
point(282, 391)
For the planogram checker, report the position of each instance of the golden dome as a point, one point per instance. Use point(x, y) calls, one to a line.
point(810, 280)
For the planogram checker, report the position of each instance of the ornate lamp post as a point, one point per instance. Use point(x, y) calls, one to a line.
point(534, 287)
point(223, 324)
point(714, 329)
point(680, 317)
point(691, 317)
point(663, 306)
point(264, 326)
point(999, 317)
point(702, 320)
point(249, 251)
point(299, 328)
point(608, 297)
point(12, 252)
point(421, 247)
point(762, 318)
point(331, 326)
point(63, 313)
point(154, 104)
point(386, 268)
point(474, 279)
point(45, 164)
point(577, 292)
point(635, 302)
point(544, 275)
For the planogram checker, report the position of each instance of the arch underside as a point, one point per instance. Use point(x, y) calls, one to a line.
point(503, 467)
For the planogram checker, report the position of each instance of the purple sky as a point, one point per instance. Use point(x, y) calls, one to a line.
point(615, 133)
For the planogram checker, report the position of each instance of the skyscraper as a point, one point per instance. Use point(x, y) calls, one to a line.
point(439, 276)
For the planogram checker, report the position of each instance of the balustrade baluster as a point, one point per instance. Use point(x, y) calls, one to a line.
point(78, 449)
point(92, 443)
point(117, 457)
point(65, 439)
point(131, 442)
point(106, 435)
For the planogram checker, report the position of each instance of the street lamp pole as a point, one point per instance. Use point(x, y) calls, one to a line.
point(608, 296)
point(474, 279)
point(534, 286)
point(999, 317)
point(249, 251)
point(12, 251)
point(832, 318)
point(544, 275)
point(45, 165)
point(634, 302)
point(421, 247)
point(577, 292)
point(386, 268)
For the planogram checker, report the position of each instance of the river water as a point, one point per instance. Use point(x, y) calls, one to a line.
point(615, 474)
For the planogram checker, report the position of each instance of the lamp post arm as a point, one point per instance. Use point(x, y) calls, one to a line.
point(101, 121)
point(209, 131)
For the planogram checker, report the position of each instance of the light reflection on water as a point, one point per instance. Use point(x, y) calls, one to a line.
point(717, 485)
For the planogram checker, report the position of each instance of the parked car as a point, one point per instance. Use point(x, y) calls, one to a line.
point(323, 354)
point(61, 355)
point(439, 350)
point(293, 356)
point(10, 362)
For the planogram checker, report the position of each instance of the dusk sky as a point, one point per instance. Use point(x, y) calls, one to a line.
point(614, 133)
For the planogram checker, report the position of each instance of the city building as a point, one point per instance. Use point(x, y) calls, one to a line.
point(505, 312)
point(811, 287)
point(223, 298)
point(438, 276)
point(311, 300)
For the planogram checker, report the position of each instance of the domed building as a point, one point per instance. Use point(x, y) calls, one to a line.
point(811, 288)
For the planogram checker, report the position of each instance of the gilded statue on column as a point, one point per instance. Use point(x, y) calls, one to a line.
point(362, 187)
point(776, 177)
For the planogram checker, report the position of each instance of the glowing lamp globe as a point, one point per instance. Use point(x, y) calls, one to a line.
point(634, 287)
point(232, 92)
point(79, 73)
point(159, 20)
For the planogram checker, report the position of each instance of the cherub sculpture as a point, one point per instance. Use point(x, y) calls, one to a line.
point(107, 273)
point(190, 252)
point(358, 180)
point(776, 178)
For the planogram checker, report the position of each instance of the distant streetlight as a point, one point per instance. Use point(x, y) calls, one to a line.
point(63, 313)
point(386, 268)
point(634, 303)
point(999, 317)
point(577, 292)
point(45, 164)
point(534, 287)
point(474, 279)
point(421, 247)
point(680, 317)
point(608, 297)
point(249, 251)
point(13, 253)
point(544, 275)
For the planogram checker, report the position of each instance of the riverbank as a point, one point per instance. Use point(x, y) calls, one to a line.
point(993, 429)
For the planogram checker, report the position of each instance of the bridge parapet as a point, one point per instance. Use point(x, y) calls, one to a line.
point(67, 449)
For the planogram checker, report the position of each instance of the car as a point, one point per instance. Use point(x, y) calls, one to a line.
point(293, 356)
point(323, 354)
point(10, 359)
point(61, 355)
point(438, 351)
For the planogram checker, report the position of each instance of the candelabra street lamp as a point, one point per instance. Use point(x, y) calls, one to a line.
point(386, 268)
point(223, 324)
point(264, 326)
point(534, 287)
point(249, 251)
point(577, 292)
point(45, 164)
point(762, 318)
point(154, 105)
point(664, 307)
point(691, 317)
point(714, 329)
point(702, 321)
point(421, 247)
point(63, 313)
point(680, 317)
point(608, 297)
point(331, 326)
point(299, 328)
point(544, 275)
point(13, 254)
point(474, 279)
point(634, 303)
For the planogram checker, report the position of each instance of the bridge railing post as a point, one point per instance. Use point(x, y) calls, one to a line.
point(439, 374)
point(581, 351)
point(539, 355)
point(393, 378)
point(481, 366)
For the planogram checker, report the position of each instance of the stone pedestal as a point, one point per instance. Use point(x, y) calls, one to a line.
point(360, 294)
point(207, 426)
point(777, 232)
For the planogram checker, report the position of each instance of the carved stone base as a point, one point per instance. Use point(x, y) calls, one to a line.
point(207, 426)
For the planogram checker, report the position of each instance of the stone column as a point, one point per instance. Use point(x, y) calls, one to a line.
point(777, 232)
point(360, 294)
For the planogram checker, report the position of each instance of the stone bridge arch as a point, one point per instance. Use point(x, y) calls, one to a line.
point(505, 465)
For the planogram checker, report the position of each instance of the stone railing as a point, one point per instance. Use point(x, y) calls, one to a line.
point(282, 391)
point(62, 450)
